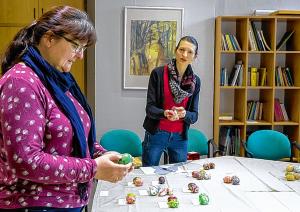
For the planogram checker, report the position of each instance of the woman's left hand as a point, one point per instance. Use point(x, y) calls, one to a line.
point(181, 112)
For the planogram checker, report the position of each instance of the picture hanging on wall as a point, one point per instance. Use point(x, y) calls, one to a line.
point(150, 38)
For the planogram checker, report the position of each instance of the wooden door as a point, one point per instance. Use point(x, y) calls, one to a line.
point(78, 68)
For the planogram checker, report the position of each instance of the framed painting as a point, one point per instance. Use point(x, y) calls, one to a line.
point(150, 38)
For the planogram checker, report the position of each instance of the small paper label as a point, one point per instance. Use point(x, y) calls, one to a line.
point(155, 183)
point(103, 193)
point(186, 190)
point(122, 202)
point(163, 205)
point(143, 192)
point(195, 202)
point(130, 184)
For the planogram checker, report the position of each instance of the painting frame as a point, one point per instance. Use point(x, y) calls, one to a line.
point(133, 16)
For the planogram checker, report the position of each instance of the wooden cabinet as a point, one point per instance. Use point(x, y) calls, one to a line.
point(234, 100)
point(16, 14)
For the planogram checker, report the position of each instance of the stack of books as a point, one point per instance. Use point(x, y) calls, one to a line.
point(230, 43)
point(257, 41)
point(283, 76)
point(230, 139)
point(236, 75)
point(254, 110)
point(257, 76)
point(280, 113)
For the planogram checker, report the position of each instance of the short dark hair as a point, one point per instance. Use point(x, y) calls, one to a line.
point(61, 20)
point(189, 39)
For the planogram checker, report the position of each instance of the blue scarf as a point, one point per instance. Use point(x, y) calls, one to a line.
point(57, 84)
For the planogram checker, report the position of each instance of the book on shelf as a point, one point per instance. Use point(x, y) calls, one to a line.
point(254, 110)
point(235, 42)
point(224, 139)
point(253, 76)
point(252, 42)
point(263, 76)
point(287, 35)
point(224, 78)
point(289, 76)
point(256, 37)
point(278, 114)
point(283, 76)
point(230, 42)
point(226, 117)
point(265, 44)
point(260, 111)
point(230, 138)
point(236, 75)
point(284, 113)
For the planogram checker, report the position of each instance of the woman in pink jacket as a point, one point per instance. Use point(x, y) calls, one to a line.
point(48, 151)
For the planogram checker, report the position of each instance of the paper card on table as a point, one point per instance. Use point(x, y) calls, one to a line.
point(163, 205)
point(122, 202)
point(155, 182)
point(130, 184)
point(181, 170)
point(147, 170)
point(103, 193)
point(143, 192)
point(186, 190)
point(195, 202)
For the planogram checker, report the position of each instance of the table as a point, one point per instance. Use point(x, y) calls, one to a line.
point(262, 188)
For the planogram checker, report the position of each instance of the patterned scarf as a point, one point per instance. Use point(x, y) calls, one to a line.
point(186, 87)
point(58, 83)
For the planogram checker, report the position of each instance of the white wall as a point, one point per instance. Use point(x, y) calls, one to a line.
point(119, 108)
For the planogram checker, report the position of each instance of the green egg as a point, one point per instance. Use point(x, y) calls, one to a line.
point(203, 199)
point(126, 158)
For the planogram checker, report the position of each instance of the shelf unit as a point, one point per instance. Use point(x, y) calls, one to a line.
point(233, 99)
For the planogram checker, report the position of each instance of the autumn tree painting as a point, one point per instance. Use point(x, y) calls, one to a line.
point(152, 44)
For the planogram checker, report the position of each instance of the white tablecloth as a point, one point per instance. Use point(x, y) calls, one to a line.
point(262, 188)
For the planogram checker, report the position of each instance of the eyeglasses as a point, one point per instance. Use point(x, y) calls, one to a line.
point(183, 50)
point(76, 47)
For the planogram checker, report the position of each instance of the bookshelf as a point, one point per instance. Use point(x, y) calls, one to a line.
point(235, 99)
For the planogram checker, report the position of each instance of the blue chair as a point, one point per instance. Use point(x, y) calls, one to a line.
point(122, 141)
point(198, 142)
point(269, 145)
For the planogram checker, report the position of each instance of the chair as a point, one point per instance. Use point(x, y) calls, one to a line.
point(270, 145)
point(122, 141)
point(198, 142)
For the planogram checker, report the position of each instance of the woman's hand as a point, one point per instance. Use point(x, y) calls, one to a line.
point(171, 115)
point(108, 168)
point(181, 112)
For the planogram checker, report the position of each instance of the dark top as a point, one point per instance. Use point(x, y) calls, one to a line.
point(155, 100)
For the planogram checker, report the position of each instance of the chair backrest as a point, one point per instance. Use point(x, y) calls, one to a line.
point(122, 141)
point(269, 144)
point(197, 142)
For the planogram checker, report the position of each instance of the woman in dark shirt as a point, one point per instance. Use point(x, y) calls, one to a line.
point(172, 105)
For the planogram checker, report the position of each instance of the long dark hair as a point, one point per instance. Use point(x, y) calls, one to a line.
point(61, 20)
point(189, 39)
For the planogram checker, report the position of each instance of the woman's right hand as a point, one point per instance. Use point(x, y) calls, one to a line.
point(108, 168)
point(171, 115)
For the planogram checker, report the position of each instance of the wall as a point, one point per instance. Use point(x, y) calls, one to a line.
point(118, 108)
